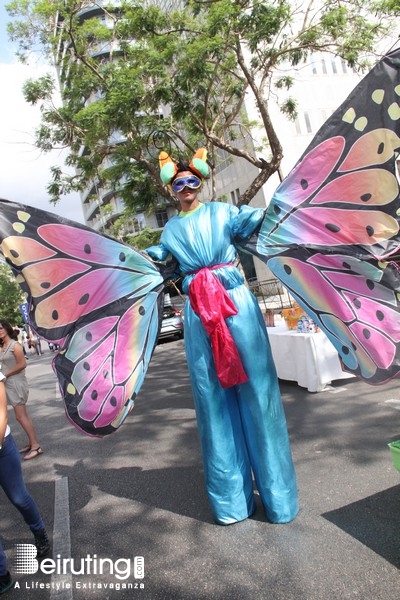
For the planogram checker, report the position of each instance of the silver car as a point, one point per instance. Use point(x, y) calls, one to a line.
point(172, 323)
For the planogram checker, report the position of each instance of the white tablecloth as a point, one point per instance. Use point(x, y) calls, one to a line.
point(308, 358)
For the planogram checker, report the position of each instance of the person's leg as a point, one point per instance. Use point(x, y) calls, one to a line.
point(227, 469)
point(3, 562)
point(263, 416)
point(12, 482)
point(25, 420)
point(6, 581)
point(268, 445)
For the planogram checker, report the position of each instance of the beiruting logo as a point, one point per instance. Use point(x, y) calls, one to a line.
point(26, 563)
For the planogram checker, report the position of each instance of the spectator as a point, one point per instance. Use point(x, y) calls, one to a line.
point(12, 482)
point(34, 342)
point(13, 365)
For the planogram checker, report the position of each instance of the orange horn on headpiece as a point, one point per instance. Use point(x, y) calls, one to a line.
point(169, 168)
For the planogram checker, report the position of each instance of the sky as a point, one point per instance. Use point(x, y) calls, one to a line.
point(24, 170)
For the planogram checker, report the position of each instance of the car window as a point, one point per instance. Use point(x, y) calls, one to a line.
point(168, 312)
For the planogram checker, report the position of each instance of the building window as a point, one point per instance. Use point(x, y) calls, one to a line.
point(298, 127)
point(308, 122)
point(223, 160)
point(136, 225)
point(161, 217)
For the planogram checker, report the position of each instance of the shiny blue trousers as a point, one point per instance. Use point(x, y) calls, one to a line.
point(242, 429)
point(12, 482)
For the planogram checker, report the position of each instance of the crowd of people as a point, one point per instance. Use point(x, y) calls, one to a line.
point(30, 342)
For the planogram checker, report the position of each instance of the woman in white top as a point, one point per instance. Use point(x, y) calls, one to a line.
point(13, 365)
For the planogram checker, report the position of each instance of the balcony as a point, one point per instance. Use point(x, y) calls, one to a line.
point(97, 9)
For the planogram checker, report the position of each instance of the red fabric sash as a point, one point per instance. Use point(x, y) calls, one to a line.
point(211, 302)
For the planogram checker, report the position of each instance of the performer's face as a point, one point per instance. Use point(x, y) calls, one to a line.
point(187, 196)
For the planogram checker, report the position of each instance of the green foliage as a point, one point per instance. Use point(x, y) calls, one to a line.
point(201, 60)
point(289, 108)
point(39, 89)
point(11, 296)
point(147, 237)
point(284, 82)
point(391, 7)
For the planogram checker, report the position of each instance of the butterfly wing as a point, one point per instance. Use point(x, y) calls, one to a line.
point(331, 231)
point(103, 366)
point(96, 297)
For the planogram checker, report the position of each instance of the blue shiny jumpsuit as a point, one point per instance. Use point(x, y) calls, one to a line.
point(242, 428)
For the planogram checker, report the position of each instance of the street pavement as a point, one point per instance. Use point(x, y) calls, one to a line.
point(140, 493)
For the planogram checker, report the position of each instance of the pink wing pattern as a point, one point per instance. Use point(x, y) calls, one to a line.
point(331, 231)
point(96, 297)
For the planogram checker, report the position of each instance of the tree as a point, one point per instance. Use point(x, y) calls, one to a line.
point(11, 296)
point(153, 75)
point(147, 237)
